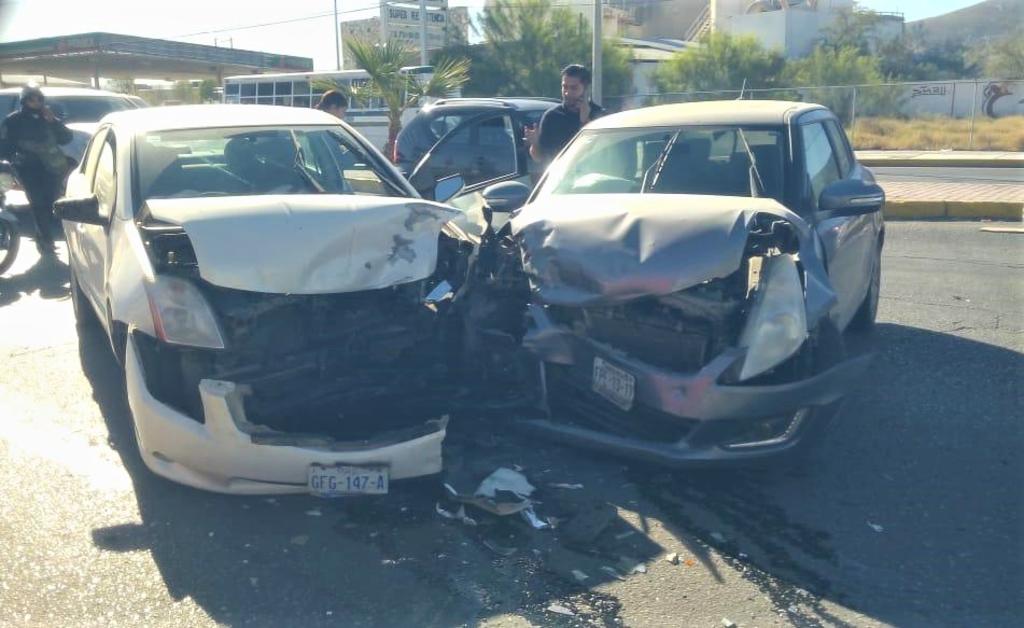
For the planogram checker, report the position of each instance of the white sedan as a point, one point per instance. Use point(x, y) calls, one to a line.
point(262, 275)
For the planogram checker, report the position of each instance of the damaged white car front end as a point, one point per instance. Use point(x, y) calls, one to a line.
point(241, 377)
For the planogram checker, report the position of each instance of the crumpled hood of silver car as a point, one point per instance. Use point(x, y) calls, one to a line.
point(308, 244)
point(582, 250)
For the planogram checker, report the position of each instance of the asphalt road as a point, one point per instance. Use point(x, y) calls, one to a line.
point(950, 175)
point(910, 512)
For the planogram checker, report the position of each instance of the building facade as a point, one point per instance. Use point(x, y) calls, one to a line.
point(400, 21)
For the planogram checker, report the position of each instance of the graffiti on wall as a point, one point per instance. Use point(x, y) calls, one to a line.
point(991, 94)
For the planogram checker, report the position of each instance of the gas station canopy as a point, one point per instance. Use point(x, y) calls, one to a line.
point(92, 55)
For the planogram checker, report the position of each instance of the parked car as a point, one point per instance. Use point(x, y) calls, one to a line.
point(80, 109)
point(481, 139)
point(279, 296)
point(693, 268)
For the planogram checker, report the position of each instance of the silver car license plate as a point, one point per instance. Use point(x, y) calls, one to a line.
point(614, 384)
point(341, 480)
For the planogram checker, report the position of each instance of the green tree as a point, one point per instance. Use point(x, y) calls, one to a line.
point(528, 42)
point(399, 91)
point(1004, 59)
point(844, 66)
point(721, 62)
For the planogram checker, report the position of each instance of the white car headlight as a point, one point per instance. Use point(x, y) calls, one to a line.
point(777, 325)
point(181, 316)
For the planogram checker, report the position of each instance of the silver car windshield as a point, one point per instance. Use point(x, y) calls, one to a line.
point(254, 161)
point(681, 160)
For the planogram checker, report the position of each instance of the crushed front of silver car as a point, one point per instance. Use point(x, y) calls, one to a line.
point(680, 329)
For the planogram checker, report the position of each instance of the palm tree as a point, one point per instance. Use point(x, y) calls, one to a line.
point(398, 90)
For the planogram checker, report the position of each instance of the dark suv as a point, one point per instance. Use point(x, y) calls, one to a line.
point(469, 136)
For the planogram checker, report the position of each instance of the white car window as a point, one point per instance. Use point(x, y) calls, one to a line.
point(821, 163)
point(104, 185)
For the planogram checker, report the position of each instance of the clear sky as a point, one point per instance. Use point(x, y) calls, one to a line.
point(252, 24)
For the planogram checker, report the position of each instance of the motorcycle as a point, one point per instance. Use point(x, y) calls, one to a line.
point(10, 237)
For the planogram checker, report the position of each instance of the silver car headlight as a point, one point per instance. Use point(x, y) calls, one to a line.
point(777, 325)
point(181, 316)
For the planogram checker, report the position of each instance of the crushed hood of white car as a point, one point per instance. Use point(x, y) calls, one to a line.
point(308, 244)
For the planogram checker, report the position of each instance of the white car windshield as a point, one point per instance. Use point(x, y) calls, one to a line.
point(682, 160)
point(254, 161)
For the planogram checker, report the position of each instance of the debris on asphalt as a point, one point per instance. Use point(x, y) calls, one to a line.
point(728, 623)
point(612, 572)
point(672, 559)
point(302, 539)
point(718, 537)
point(314, 512)
point(536, 522)
point(459, 515)
point(579, 575)
point(876, 527)
point(570, 487)
point(504, 492)
point(498, 549)
point(561, 610)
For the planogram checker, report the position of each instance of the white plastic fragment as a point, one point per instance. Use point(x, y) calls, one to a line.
point(579, 575)
point(459, 515)
point(561, 610)
point(876, 527)
point(531, 517)
point(568, 487)
point(314, 512)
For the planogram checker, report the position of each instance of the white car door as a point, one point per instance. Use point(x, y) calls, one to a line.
point(92, 241)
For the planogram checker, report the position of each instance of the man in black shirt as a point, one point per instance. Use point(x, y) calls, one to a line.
point(31, 138)
point(560, 124)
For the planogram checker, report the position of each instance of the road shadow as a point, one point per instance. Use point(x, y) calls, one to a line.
point(388, 561)
point(910, 511)
point(48, 275)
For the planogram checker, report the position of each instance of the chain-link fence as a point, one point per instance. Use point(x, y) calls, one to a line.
point(963, 115)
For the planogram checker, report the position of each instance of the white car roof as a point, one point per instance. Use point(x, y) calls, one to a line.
point(706, 113)
point(216, 116)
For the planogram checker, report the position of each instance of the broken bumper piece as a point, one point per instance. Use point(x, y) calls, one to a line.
point(679, 419)
point(228, 454)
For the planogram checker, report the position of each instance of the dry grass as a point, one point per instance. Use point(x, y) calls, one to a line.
point(939, 133)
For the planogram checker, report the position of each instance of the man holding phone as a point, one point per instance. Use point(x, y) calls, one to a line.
point(31, 139)
point(560, 124)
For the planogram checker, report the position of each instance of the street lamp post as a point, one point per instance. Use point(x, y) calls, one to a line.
point(423, 32)
point(596, 53)
point(337, 36)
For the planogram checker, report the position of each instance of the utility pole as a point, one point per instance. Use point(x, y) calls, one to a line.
point(423, 32)
point(337, 37)
point(595, 65)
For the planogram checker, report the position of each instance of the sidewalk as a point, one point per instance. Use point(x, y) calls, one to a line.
point(937, 158)
point(925, 199)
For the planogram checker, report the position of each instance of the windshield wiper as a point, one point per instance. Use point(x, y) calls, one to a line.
point(756, 183)
point(299, 165)
point(658, 165)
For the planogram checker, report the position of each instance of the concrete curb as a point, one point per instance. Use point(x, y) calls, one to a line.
point(897, 209)
point(941, 158)
point(940, 162)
